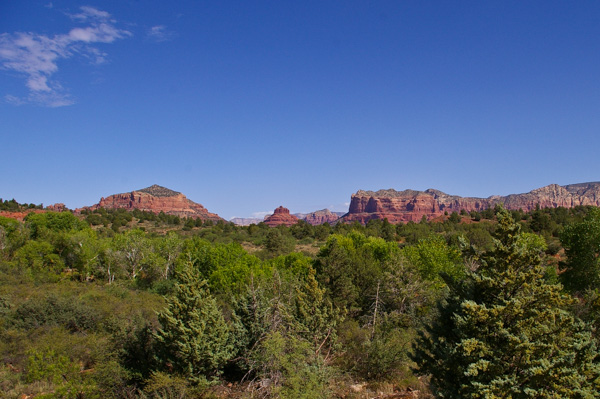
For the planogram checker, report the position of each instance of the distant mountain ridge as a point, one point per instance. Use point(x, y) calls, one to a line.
point(412, 205)
point(314, 218)
point(246, 221)
point(396, 206)
point(155, 199)
point(320, 217)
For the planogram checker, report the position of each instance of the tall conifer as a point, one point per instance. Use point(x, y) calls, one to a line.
point(194, 339)
point(505, 332)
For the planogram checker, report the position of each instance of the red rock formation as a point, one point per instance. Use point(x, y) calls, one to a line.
point(155, 199)
point(281, 216)
point(411, 205)
point(20, 215)
point(320, 217)
point(59, 207)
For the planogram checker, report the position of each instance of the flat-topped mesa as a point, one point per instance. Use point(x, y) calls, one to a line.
point(280, 217)
point(412, 205)
point(156, 199)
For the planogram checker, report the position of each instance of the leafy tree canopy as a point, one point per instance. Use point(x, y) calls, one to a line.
point(225, 266)
point(433, 256)
point(582, 246)
point(40, 223)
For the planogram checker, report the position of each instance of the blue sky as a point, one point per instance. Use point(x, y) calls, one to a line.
point(245, 106)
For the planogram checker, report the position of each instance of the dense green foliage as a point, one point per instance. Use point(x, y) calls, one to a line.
point(193, 340)
point(117, 304)
point(582, 246)
point(14, 206)
point(504, 331)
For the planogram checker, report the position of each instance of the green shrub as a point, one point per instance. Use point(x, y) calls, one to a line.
point(289, 369)
point(167, 386)
point(54, 311)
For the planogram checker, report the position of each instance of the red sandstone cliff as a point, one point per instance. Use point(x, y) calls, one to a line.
point(411, 205)
point(281, 216)
point(156, 199)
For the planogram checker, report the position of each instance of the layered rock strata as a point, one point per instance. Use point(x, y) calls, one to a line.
point(156, 199)
point(280, 217)
point(412, 205)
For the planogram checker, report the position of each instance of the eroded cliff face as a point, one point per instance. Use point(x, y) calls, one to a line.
point(281, 216)
point(411, 205)
point(156, 199)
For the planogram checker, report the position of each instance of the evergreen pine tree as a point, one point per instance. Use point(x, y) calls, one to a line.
point(504, 331)
point(194, 339)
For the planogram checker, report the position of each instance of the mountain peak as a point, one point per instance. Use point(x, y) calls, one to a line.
point(159, 191)
point(155, 199)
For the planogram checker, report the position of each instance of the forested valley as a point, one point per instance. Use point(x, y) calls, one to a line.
point(117, 304)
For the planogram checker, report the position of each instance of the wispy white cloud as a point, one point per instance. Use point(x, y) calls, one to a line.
point(36, 56)
point(90, 12)
point(13, 100)
point(159, 33)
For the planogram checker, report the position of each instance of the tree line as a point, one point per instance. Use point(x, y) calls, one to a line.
point(496, 304)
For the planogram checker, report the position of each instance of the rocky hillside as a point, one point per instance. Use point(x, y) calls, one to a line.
point(19, 215)
point(156, 199)
point(20, 212)
point(412, 205)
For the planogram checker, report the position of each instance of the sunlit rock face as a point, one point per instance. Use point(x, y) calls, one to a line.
point(412, 205)
point(281, 216)
point(156, 199)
